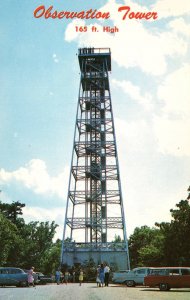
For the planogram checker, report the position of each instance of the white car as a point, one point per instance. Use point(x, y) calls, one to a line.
point(131, 278)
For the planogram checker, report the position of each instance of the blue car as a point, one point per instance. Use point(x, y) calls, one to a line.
point(13, 276)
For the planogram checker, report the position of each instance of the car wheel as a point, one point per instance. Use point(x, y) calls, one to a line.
point(130, 283)
point(164, 287)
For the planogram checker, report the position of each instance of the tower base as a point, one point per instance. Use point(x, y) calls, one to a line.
point(117, 259)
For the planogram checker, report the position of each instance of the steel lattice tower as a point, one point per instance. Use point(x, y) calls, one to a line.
point(94, 210)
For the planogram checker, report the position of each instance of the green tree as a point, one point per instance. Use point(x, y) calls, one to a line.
point(38, 238)
point(145, 247)
point(90, 270)
point(117, 239)
point(9, 237)
point(117, 242)
point(23, 244)
point(51, 258)
point(12, 212)
point(177, 235)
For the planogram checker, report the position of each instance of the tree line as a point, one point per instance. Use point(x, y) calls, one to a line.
point(32, 244)
point(25, 245)
point(167, 244)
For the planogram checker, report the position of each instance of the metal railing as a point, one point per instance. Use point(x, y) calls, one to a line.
point(109, 246)
point(82, 51)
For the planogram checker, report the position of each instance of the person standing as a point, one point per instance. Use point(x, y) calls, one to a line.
point(66, 277)
point(58, 276)
point(81, 277)
point(31, 277)
point(107, 273)
point(73, 276)
point(98, 282)
point(101, 274)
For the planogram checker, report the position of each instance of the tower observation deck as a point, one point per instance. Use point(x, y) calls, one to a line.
point(94, 210)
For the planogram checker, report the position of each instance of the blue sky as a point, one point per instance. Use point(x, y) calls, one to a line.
point(150, 85)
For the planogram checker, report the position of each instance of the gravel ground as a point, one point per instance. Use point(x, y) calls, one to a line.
point(89, 291)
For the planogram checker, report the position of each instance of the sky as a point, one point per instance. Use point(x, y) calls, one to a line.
point(150, 88)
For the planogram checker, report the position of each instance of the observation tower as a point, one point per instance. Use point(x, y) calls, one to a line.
point(94, 210)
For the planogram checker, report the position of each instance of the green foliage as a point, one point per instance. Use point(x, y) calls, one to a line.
point(90, 270)
point(117, 243)
point(9, 236)
point(26, 245)
point(38, 238)
point(166, 245)
point(145, 247)
point(177, 236)
point(12, 212)
point(51, 258)
point(117, 239)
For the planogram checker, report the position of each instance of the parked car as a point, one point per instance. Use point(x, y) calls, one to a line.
point(13, 276)
point(133, 277)
point(43, 279)
point(119, 276)
point(166, 278)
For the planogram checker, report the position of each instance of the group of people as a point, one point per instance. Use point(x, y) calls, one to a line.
point(60, 278)
point(102, 277)
point(103, 272)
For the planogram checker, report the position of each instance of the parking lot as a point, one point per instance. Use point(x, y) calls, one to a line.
point(89, 291)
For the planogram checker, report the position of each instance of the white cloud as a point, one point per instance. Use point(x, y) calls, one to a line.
point(135, 93)
point(173, 135)
point(172, 8)
point(148, 50)
point(143, 175)
point(35, 176)
point(172, 126)
point(175, 91)
point(132, 136)
point(147, 208)
point(55, 59)
point(180, 26)
point(43, 214)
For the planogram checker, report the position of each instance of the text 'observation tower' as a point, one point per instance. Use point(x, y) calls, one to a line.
point(94, 211)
